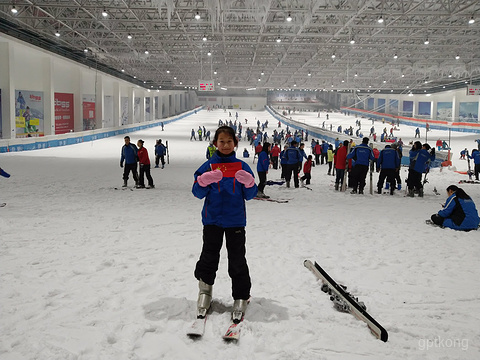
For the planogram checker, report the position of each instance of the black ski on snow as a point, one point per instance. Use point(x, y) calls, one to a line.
point(272, 200)
point(348, 303)
point(3, 204)
point(469, 182)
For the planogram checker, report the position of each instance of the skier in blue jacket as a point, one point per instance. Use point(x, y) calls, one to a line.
point(160, 151)
point(130, 156)
point(225, 182)
point(459, 211)
point(362, 154)
point(292, 157)
point(387, 164)
point(476, 160)
point(262, 169)
point(420, 157)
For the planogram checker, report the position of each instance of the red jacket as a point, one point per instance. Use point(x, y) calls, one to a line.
point(318, 149)
point(275, 151)
point(258, 149)
point(439, 143)
point(341, 157)
point(307, 167)
point(143, 156)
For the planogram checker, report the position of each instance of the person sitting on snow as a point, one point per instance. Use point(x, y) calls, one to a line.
point(459, 211)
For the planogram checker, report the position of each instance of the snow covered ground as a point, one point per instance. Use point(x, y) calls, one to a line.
point(90, 272)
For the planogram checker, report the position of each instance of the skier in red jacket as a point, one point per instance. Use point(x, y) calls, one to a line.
point(274, 153)
point(340, 159)
point(144, 161)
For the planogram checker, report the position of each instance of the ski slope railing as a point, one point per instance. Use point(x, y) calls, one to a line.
point(473, 127)
point(44, 142)
point(331, 136)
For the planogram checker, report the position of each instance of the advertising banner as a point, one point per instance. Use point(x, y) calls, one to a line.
point(407, 109)
point(424, 108)
point(1, 134)
point(444, 111)
point(88, 103)
point(107, 111)
point(393, 107)
point(136, 110)
point(64, 114)
point(147, 109)
point(29, 113)
point(468, 111)
point(124, 106)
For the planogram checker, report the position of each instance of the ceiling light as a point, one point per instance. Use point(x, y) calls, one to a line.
point(209, 53)
point(278, 39)
point(449, 75)
point(471, 21)
point(215, 72)
point(218, 84)
point(457, 57)
point(181, 83)
point(262, 73)
point(309, 73)
point(123, 70)
point(197, 16)
point(380, 19)
point(104, 13)
point(408, 87)
point(356, 74)
point(425, 82)
point(144, 82)
point(168, 71)
point(259, 79)
point(14, 10)
point(151, 86)
point(129, 36)
point(85, 50)
point(333, 56)
point(289, 17)
point(174, 78)
point(426, 42)
point(395, 56)
point(403, 75)
point(343, 81)
point(352, 41)
point(294, 84)
point(204, 38)
point(146, 52)
point(223, 88)
point(57, 33)
point(444, 86)
point(134, 76)
point(384, 81)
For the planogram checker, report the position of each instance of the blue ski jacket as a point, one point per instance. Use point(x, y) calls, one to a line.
point(419, 160)
point(283, 161)
point(475, 156)
point(388, 159)
point(129, 154)
point(362, 154)
point(459, 214)
point(224, 204)
point(263, 162)
point(292, 156)
point(160, 150)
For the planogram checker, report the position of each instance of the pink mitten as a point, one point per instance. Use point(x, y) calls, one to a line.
point(245, 178)
point(210, 177)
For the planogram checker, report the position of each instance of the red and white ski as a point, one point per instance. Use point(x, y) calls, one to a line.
point(233, 332)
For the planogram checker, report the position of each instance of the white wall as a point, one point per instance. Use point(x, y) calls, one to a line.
point(238, 102)
point(26, 67)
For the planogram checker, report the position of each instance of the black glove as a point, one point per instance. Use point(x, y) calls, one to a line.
point(432, 152)
point(121, 164)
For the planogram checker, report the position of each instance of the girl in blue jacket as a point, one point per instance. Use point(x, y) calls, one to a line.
point(459, 211)
point(225, 182)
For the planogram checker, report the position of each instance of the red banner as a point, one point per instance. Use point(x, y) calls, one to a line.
point(228, 169)
point(64, 121)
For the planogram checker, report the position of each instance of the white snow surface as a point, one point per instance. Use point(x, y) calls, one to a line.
point(90, 272)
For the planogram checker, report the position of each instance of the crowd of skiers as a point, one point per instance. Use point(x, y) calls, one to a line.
point(135, 156)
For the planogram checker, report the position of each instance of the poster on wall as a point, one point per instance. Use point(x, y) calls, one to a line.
point(124, 106)
point(444, 111)
point(468, 111)
point(136, 110)
point(370, 103)
point(107, 111)
point(155, 114)
point(407, 109)
point(88, 104)
point(424, 108)
point(147, 109)
point(29, 113)
point(381, 105)
point(1, 134)
point(393, 107)
point(64, 114)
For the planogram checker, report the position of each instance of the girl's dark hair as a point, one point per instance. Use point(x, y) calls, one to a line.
point(226, 130)
point(417, 145)
point(265, 147)
point(459, 192)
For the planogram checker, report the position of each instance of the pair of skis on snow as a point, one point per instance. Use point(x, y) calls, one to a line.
point(343, 301)
point(197, 329)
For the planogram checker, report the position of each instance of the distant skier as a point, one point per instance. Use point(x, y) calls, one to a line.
point(459, 211)
point(262, 169)
point(417, 132)
point(387, 164)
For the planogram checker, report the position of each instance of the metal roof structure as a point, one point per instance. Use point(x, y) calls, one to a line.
point(263, 44)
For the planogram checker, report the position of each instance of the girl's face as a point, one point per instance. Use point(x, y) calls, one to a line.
point(225, 144)
point(139, 144)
